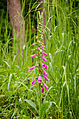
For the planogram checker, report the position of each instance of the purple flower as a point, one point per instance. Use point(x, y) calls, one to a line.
point(43, 46)
point(41, 42)
point(38, 48)
point(31, 68)
point(34, 43)
point(46, 86)
point(43, 65)
point(44, 58)
point(41, 72)
point(44, 53)
point(46, 78)
point(33, 55)
point(33, 82)
point(43, 49)
point(46, 66)
point(42, 89)
point(32, 49)
point(39, 79)
point(45, 73)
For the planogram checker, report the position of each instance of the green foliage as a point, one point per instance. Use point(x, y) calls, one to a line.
point(18, 99)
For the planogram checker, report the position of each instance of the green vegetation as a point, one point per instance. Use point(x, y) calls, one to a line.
point(18, 99)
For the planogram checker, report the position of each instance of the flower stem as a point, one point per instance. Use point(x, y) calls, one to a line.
point(39, 99)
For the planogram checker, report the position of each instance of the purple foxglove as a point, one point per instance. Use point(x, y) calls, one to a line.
point(33, 82)
point(38, 48)
point(33, 55)
point(34, 43)
point(46, 78)
point(46, 86)
point(43, 46)
point(44, 58)
point(41, 72)
point(31, 68)
point(46, 66)
point(39, 79)
point(32, 49)
point(44, 53)
point(42, 89)
point(43, 49)
point(45, 73)
point(43, 65)
point(41, 42)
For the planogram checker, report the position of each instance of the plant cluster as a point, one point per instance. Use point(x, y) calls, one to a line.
point(40, 54)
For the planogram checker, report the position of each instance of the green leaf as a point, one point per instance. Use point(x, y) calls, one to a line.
point(9, 80)
point(31, 103)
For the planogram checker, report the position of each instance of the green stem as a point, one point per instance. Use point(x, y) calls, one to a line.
point(39, 99)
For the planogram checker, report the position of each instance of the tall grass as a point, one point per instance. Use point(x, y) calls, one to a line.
point(18, 100)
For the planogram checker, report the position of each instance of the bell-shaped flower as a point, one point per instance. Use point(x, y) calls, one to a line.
point(32, 49)
point(46, 86)
point(31, 68)
point(43, 49)
point(43, 65)
point(33, 82)
point(42, 89)
point(41, 42)
point(33, 55)
point(46, 78)
point(34, 43)
point(46, 66)
point(44, 58)
point(43, 46)
point(44, 53)
point(39, 79)
point(41, 72)
point(38, 48)
point(45, 73)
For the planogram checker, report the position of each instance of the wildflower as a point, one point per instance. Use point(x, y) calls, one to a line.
point(33, 82)
point(31, 68)
point(46, 86)
point(32, 49)
point(46, 78)
point(41, 42)
point(38, 48)
point(34, 43)
point(45, 73)
point(46, 66)
point(43, 65)
point(43, 49)
point(44, 53)
point(33, 55)
point(41, 72)
point(39, 79)
point(43, 46)
point(44, 58)
point(42, 89)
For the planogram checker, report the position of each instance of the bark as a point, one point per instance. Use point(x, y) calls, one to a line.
point(16, 19)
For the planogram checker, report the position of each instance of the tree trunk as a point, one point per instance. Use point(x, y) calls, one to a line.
point(17, 23)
